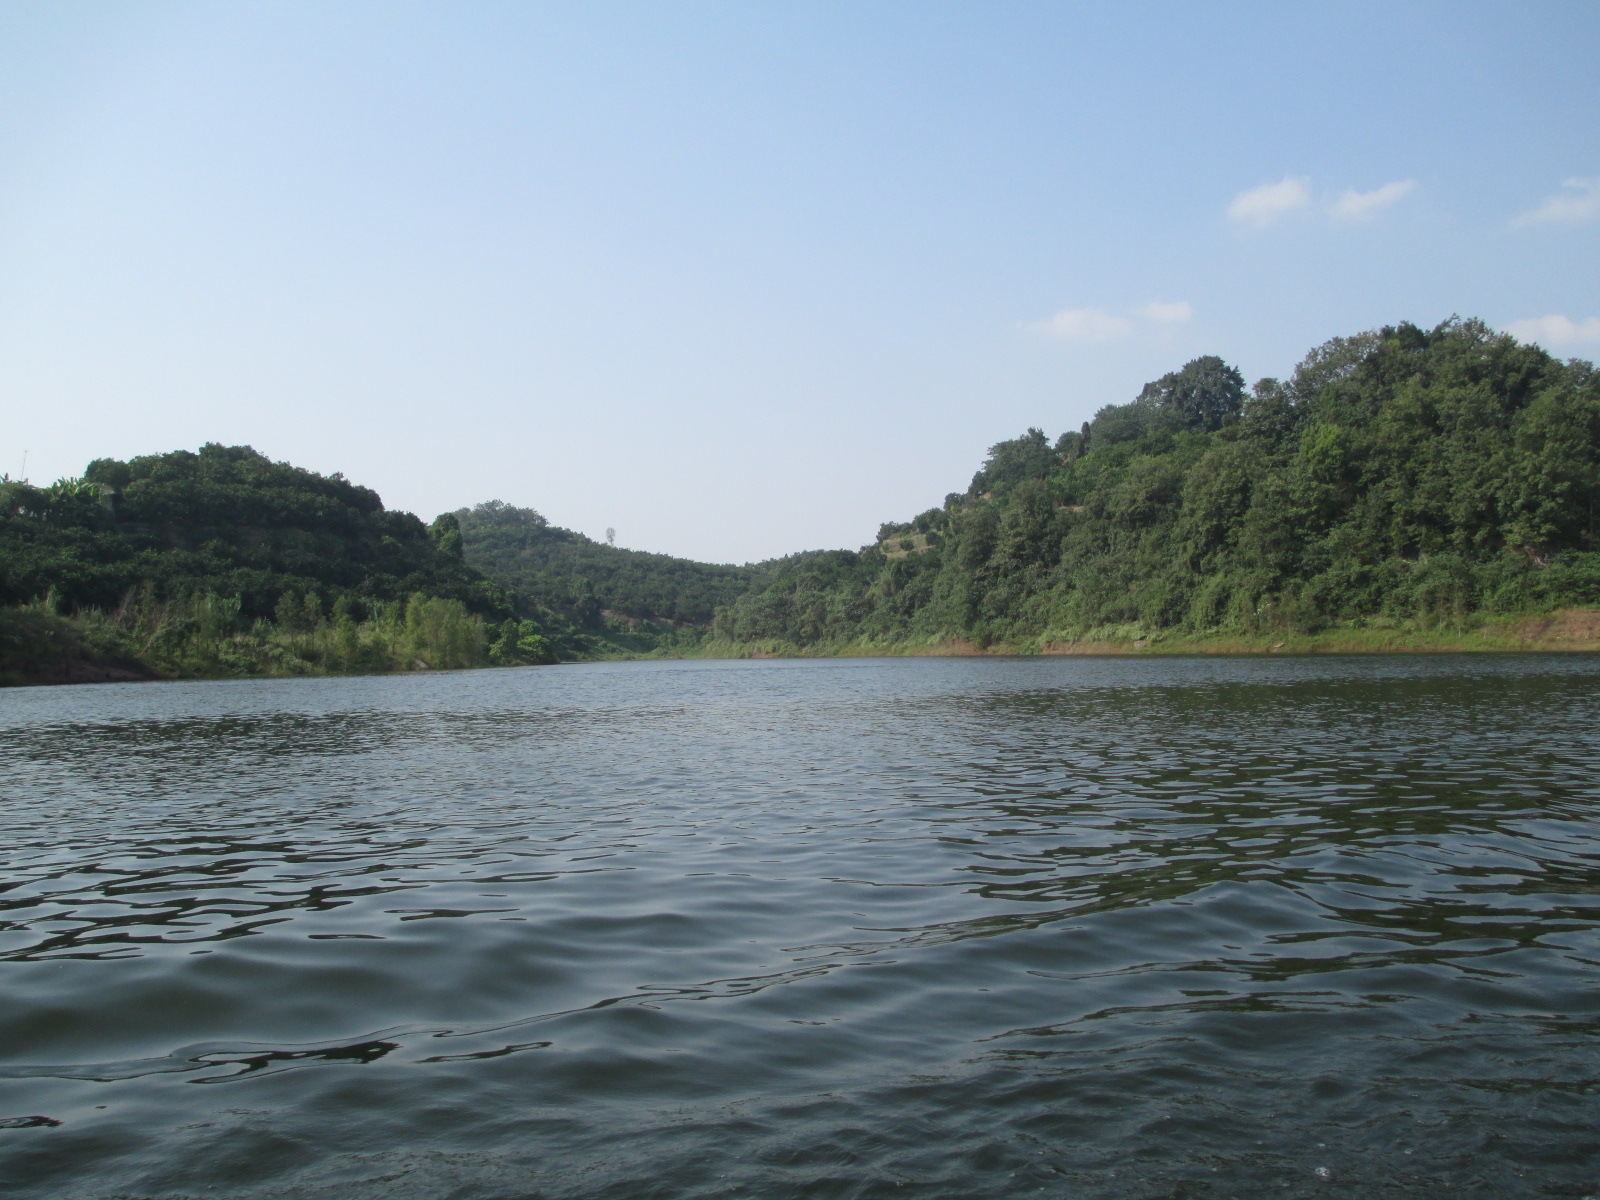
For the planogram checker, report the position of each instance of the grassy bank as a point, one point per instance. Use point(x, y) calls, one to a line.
point(193, 642)
point(203, 636)
point(1566, 629)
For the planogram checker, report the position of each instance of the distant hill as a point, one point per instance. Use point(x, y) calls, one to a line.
point(1402, 477)
point(225, 562)
point(227, 520)
point(589, 581)
point(1401, 480)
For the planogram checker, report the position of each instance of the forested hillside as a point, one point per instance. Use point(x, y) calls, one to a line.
point(1400, 477)
point(229, 520)
point(1403, 480)
point(588, 581)
point(225, 562)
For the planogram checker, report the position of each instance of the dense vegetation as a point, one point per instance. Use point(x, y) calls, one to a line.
point(1402, 479)
point(224, 562)
point(227, 563)
point(227, 520)
point(1400, 476)
point(592, 585)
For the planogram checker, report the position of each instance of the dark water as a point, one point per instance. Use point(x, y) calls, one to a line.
point(939, 928)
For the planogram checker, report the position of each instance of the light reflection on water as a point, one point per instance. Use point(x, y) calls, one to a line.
point(865, 927)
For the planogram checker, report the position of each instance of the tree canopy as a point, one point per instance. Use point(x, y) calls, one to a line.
point(1401, 473)
point(566, 572)
point(229, 520)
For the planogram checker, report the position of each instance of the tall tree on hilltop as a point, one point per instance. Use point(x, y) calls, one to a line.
point(1009, 463)
point(1200, 395)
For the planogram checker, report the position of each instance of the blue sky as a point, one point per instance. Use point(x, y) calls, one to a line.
point(744, 279)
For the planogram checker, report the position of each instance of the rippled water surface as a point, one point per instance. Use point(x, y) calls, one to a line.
point(941, 928)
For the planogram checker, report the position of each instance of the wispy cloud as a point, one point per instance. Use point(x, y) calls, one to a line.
point(1265, 204)
point(1352, 204)
point(1167, 314)
point(1578, 200)
point(1098, 325)
point(1555, 330)
point(1085, 325)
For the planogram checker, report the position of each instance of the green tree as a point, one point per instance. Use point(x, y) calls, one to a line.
point(446, 534)
point(1201, 395)
point(1028, 457)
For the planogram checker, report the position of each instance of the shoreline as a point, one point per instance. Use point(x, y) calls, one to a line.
point(1566, 631)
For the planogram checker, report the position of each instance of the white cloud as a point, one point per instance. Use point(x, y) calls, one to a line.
point(1156, 310)
point(1085, 325)
point(1098, 325)
point(1265, 204)
point(1578, 201)
point(1353, 204)
point(1555, 330)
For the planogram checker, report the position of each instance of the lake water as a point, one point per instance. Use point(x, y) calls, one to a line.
point(842, 928)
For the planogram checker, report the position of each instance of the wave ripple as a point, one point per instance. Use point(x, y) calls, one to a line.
point(1097, 928)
